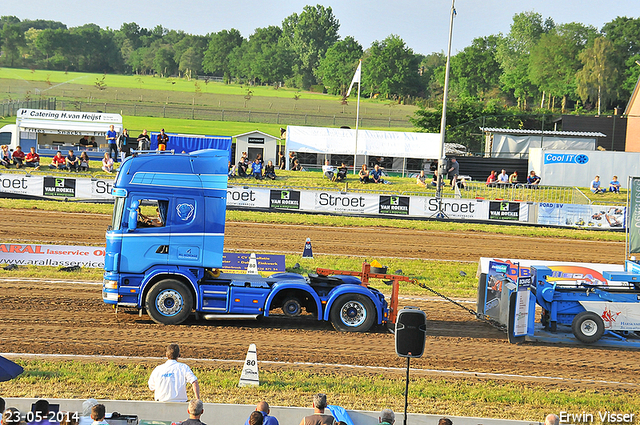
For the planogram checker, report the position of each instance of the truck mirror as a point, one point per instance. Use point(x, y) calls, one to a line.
point(133, 216)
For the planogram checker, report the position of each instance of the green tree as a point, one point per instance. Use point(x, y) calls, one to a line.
point(12, 40)
point(190, 61)
point(163, 62)
point(309, 35)
point(216, 58)
point(338, 66)
point(269, 58)
point(625, 34)
point(475, 71)
point(597, 78)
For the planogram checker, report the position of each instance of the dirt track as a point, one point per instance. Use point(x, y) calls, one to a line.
point(71, 319)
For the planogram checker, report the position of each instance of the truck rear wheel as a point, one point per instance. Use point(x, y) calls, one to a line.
point(588, 327)
point(169, 302)
point(292, 307)
point(352, 313)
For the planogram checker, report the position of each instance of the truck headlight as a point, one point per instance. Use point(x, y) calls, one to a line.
point(110, 284)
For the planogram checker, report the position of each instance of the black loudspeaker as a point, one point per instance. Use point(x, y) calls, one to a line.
point(411, 332)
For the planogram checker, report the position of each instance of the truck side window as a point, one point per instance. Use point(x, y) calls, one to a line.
point(152, 213)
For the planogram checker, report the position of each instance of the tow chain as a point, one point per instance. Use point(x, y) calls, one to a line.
point(478, 316)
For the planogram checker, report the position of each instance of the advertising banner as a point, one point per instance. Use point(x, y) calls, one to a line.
point(59, 187)
point(574, 215)
point(52, 255)
point(509, 211)
point(284, 199)
point(339, 203)
point(395, 205)
point(238, 263)
point(470, 209)
point(634, 216)
point(248, 197)
point(21, 184)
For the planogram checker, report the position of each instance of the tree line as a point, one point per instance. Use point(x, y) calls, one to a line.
point(538, 64)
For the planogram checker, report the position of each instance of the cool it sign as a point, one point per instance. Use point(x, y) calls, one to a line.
point(565, 158)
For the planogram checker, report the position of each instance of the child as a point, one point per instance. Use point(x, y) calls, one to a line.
point(97, 414)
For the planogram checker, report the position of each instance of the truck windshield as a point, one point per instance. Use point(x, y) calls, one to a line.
point(118, 209)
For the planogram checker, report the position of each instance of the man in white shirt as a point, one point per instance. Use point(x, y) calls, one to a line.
point(503, 177)
point(169, 380)
point(328, 171)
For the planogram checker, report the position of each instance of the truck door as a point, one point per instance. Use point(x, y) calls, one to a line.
point(186, 219)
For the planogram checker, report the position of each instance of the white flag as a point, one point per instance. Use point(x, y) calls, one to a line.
point(356, 78)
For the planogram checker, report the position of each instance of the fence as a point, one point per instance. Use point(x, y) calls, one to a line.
point(215, 114)
point(523, 192)
point(9, 109)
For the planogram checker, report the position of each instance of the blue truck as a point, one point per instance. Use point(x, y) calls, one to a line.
point(169, 264)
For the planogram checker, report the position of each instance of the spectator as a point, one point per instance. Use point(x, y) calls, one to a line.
point(97, 414)
point(32, 159)
point(328, 171)
point(364, 174)
point(551, 419)
point(72, 161)
point(169, 379)
point(292, 159)
point(85, 419)
point(297, 166)
point(111, 141)
point(503, 177)
point(83, 162)
point(454, 171)
point(491, 180)
point(269, 171)
point(595, 185)
point(124, 149)
point(58, 162)
point(387, 417)
point(84, 142)
point(376, 174)
point(342, 173)
point(445, 421)
point(421, 179)
point(144, 142)
point(533, 180)
point(256, 169)
point(614, 185)
point(232, 170)
point(163, 140)
point(18, 157)
point(93, 142)
point(243, 165)
point(2, 405)
point(11, 416)
point(194, 410)
point(256, 418)
point(282, 163)
point(259, 158)
point(41, 413)
point(6, 156)
point(513, 178)
point(318, 417)
point(264, 410)
point(107, 163)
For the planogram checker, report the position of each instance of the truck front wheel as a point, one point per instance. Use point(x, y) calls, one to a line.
point(588, 327)
point(352, 313)
point(169, 302)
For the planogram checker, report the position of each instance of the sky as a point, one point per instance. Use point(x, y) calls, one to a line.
point(423, 25)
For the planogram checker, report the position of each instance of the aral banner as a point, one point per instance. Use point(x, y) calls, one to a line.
point(634, 216)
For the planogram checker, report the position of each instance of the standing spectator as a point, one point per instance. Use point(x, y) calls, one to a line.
point(513, 178)
point(387, 417)
point(282, 162)
point(614, 185)
point(18, 157)
point(421, 179)
point(83, 162)
point(376, 174)
point(318, 417)
point(97, 414)
point(364, 174)
point(491, 180)
point(595, 185)
point(169, 379)
point(107, 163)
point(72, 161)
point(111, 141)
point(269, 171)
point(256, 169)
point(328, 170)
point(163, 140)
point(195, 410)
point(264, 410)
point(144, 142)
point(5, 156)
point(503, 177)
point(124, 149)
point(58, 162)
point(32, 159)
point(533, 180)
point(454, 171)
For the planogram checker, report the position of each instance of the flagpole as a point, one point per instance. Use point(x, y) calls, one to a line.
point(355, 153)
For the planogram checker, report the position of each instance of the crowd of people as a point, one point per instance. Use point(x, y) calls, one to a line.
point(505, 179)
point(252, 169)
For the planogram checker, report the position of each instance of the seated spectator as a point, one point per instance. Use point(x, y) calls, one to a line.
point(297, 166)
point(491, 180)
point(72, 161)
point(318, 417)
point(328, 170)
point(83, 162)
point(84, 142)
point(18, 157)
point(533, 180)
point(255, 418)
point(552, 419)
point(41, 413)
point(11, 416)
point(503, 177)
point(232, 170)
point(260, 160)
point(242, 166)
point(58, 162)
point(93, 142)
point(376, 174)
point(2, 405)
point(387, 417)
point(256, 169)
point(364, 174)
point(445, 421)
point(421, 179)
point(270, 171)
point(195, 410)
point(263, 409)
point(85, 419)
point(614, 185)
point(5, 156)
point(97, 414)
point(282, 162)
point(292, 160)
point(595, 185)
point(342, 173)
point(434, 180)
point(513, 178)
point(107, 163)
point(32, 159)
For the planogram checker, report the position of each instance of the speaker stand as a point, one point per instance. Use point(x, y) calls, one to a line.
point(406, 392)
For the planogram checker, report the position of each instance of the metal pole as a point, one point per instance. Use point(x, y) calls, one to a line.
point(406, 392)
point(443, 123)
point(355, 153)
